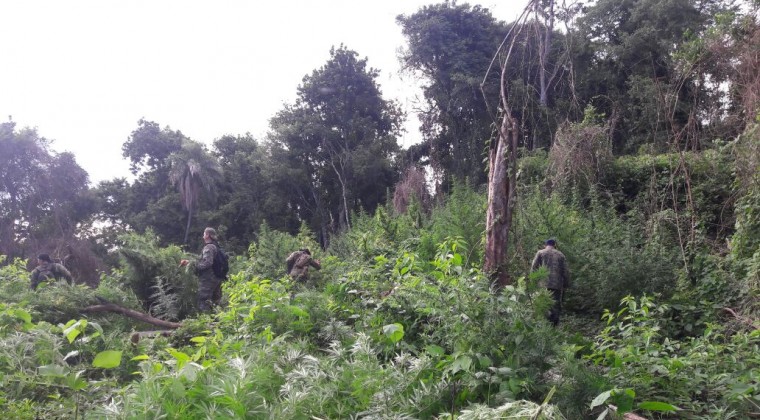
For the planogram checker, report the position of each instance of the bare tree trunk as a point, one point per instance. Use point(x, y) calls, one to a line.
point(344, 192)
point(187, 228)
point(543, 53)
point(502, 170)
point(502, 161)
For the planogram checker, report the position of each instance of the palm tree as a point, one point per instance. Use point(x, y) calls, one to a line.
point(192, 169)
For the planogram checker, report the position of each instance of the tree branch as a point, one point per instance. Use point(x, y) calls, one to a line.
point(112, 307)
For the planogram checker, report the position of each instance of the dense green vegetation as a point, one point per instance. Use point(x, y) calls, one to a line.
point(399, 322)
point(639, 153)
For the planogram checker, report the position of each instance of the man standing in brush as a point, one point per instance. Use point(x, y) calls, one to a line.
point(298, 264)
point(559, 275)
point(48, 270)
point(210, 276)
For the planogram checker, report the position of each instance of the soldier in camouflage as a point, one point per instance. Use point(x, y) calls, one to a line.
point(47, 270)
point(559, 275)
point(299, 262)
point(209, 285)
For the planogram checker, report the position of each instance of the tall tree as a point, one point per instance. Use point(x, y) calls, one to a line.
point(337, 142)
point(149, 146)
point(149, 200)
point(249, 194)
point(43, 195)
point(625, 65)
point(450, 47)
point(193, 169)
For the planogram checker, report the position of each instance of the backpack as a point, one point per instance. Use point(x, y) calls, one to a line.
point(46, 274)
point(291, 261)
point(221, 264)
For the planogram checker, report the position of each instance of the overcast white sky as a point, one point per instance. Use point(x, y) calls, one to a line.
point(84, 72)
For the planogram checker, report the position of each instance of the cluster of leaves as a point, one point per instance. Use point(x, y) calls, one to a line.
point(152, 272)
point(713, 375)
point(53, 362)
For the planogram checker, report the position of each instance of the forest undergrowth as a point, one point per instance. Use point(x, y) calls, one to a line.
point(401, 322)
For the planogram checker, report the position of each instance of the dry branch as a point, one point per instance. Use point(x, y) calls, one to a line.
point(743, 319)
point(112, 307)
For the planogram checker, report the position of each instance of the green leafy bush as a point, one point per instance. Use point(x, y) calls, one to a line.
point(154, 275)
point(711, 376)
point(609, 256)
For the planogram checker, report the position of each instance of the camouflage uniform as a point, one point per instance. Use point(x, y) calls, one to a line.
point(301, 261)
point(48, 271)
point(209, 285)
point(558, 280)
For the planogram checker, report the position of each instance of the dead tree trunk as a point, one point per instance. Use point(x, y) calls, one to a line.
point(502, 161)
point(502, 171)
point(544, 46)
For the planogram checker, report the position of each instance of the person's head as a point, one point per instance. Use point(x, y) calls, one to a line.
point(209, 234)
point(551, 242)
point(306, 250)
point(43, 258)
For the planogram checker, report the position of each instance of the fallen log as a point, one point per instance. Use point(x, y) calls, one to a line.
point(114, 308)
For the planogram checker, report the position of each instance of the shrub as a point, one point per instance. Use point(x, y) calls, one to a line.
point(609, 256)
point(153, 273)
point(702, 376)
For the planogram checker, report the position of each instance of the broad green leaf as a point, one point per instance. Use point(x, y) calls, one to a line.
point(140, 357)
point(462, 363)
point(75, 382)
point(74, 329)
point(297, 311)
point(484, 361)
point(199, 340)
point(394, 332)
point(52, 370)
point(623, 400)
point(434, 350)
point(600, 399)
point(22, 315)
point(181, 357)
point(107, 359)
point(657, 406)
point(97, 327)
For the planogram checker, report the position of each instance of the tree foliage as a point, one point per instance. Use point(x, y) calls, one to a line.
point(337, 142)
point(450, 47)
point(192, 170)
point(44, 196)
